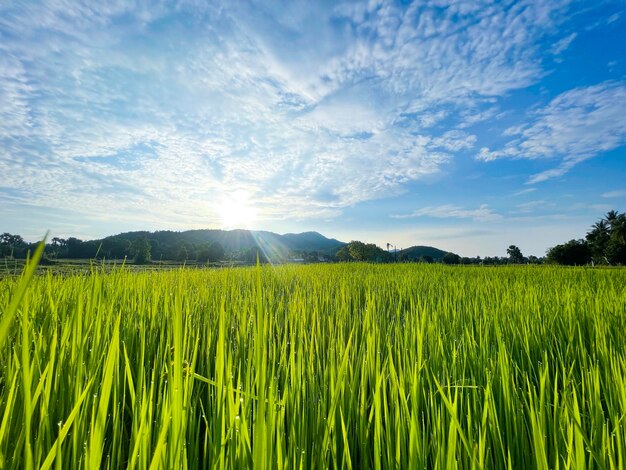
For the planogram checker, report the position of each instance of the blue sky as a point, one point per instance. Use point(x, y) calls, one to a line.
point(467, 125)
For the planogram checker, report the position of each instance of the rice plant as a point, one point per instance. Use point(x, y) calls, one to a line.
point(318, 366)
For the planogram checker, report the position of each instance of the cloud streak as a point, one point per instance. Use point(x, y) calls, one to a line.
point(481, 214)
point(615, 194)
point(577, 125)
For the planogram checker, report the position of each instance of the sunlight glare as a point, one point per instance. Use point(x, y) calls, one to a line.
point(235, 211)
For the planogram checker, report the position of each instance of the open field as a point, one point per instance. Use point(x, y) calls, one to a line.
point(340, 366)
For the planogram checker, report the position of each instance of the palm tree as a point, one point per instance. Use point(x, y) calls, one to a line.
point(607, 239)
point(598, 239)
point(616, 249)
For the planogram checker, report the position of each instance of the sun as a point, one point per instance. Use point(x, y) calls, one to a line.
point(236, 211)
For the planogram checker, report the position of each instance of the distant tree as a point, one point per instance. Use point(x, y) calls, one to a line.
point(343, 254)
point(572, 253)
point(426, 259)
point(58, 242)
point(311, 256)
point(56, 249)
point(216, 252)
point(616, 248)
point(515, 255)
point(156, 251)
point(598, 239)
point(74, 248)
point(202, 254)
point(251, 255)
point(359, 251)
point(210, 252)
point(140, 250)
point(451, 258)
point(182, 252)
point(11, 245)
point(607, 239)
point(116, 248)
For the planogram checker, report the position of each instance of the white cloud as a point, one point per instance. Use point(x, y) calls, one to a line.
point(471, 117)
point(531, 206)
point(157, 110)
point(483, 213)
point(615, 194)
point(446, 54)
point(524, 191)
point(455, 141)
point(344, 118)
point(15, 110)
point(429, 119)
point(613, 18)
point(576, 125)
point(563, 44)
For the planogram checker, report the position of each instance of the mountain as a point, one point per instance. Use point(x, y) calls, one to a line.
point(311, 241)
point(168, 244)
point(203, 245)
point(414, 253)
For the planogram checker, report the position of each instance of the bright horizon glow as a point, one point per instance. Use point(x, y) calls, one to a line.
point(468, 125)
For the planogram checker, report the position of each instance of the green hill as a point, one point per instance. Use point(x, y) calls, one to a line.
point(414, 253)
point(173, 245)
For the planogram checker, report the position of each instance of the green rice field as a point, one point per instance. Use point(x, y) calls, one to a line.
point(318, 366)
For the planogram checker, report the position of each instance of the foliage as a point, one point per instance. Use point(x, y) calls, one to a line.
point(210, 252)
point(605, 243)
point(451, 258)
point(607, 239)
point(572, 253)
point(532, 259)
point(320, 366)
point(140, 249)
point(252, 255)
point(359, 251)
point(11, 245)
point(515, 255)
point(200, 245)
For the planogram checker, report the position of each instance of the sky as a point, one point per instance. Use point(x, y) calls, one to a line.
point(465, 125)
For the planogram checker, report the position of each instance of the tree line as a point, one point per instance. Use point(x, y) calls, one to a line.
point(359, 251)
point(604, 244)
point(140, 249)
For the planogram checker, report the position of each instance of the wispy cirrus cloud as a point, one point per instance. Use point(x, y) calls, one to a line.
point(575, 126)
point(524, 191)
point(15, 109)
point(563, 44)
point(532, 206)
point(615, 194)
point(446, 211)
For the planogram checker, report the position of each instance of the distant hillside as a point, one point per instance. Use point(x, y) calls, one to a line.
point(212, 245)
point(311, 241)
point(414, 253)
point(185, 245)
